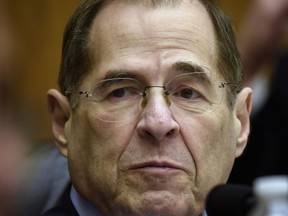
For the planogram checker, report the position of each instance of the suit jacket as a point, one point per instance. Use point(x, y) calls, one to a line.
point(65, 206)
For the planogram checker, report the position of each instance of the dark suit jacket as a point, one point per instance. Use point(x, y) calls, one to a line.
point(65, 207)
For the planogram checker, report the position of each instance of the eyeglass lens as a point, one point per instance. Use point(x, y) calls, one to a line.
point(120, 99)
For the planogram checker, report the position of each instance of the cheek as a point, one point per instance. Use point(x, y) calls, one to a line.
point(103, 139)
point(211, 142)
point(109, 139)
point(95, 147)
point(201, 135)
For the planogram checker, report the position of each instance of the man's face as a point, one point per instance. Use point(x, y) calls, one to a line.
point(160, 162)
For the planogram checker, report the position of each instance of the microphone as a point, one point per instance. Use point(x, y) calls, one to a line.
point(230, 200)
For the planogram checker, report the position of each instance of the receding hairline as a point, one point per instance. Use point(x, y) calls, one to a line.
point(78, 36)
point(149, 4)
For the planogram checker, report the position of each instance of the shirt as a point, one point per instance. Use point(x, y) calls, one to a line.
point(83, 207)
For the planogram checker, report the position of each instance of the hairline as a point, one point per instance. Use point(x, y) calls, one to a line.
point(150, 4)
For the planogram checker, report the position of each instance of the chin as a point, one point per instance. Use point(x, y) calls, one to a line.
point(159, 203)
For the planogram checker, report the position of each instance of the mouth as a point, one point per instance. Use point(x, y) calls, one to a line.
point(156, 166)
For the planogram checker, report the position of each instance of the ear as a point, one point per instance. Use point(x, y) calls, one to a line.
point(59, 110)
point(243, 110)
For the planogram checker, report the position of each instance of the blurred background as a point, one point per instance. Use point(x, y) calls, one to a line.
point(36, 28)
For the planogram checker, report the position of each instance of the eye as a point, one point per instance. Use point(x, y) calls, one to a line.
point(186, 93)
point(122, 92)
point(118, 93)
point(117, 90)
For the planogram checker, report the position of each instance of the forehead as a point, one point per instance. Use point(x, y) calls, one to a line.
point(126, 35)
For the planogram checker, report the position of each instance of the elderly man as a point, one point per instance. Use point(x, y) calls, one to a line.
point(152, 113)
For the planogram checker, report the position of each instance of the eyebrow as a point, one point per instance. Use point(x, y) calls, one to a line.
point(180, 66)
point(121, 73)
point(187, 67)
point(190, 67)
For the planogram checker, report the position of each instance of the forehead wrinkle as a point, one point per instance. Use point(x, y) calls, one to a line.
point(162, 37)
point(161, 42)
point(142, 23)
point(145, 38)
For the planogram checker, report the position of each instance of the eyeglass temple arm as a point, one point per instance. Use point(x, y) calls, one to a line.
point(223, 84)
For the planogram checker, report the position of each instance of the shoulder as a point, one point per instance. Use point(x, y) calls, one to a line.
point(61, 211)
point(64, 208)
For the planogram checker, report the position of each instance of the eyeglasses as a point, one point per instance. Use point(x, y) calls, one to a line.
point(120, 99)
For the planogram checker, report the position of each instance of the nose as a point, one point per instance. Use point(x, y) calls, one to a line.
point(157, 120)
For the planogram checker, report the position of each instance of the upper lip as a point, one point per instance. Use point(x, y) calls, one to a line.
point(164, 164)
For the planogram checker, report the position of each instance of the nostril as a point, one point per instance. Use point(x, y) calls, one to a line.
point(171, 132)
point(147, 134)
point(157, 129)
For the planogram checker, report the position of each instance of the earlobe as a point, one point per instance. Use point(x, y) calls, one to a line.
point(59, 110)
point(243, 110)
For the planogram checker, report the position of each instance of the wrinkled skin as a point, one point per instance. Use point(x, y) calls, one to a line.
point(161, 162)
